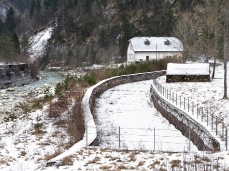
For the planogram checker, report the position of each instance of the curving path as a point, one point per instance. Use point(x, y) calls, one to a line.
point(128, 106)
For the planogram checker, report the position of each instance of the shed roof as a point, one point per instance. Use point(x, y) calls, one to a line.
point(164, 44)
point(188, 69)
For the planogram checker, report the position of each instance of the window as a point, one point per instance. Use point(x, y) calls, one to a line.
point(147, 58)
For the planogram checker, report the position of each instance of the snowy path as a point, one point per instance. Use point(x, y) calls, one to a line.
point(128, 106)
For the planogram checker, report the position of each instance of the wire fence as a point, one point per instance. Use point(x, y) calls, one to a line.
point(141, 139)
point(197, 111)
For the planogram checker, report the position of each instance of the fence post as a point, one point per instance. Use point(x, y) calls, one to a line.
point(154, 138)
point(197, 110)
point(207, 117)
point(86, 135)
point(188, 105)
point(189, 138)
point(119, 137)
point(212, 121)
point(216, 124)
point(167, 94)
point(170, 95)
point(176, 99)
point(192, 108)
point(222, 130)
point(184, 103)
point(226, 138)
point(202, 115)
point(180, 100)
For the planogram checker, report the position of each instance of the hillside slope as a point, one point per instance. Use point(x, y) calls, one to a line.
point(93, 31)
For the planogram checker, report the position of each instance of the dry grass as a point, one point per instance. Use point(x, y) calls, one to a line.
point(23, 153)
point(95, 160)
point(67, 161)
point(57, 108)
point(152, 166)
point(175, 163)
point(105, 167)
point(122, 168)
point(38, 132)
point(3, 162)
point(48, 157)
point(205, 159)
point(132, 157)
point(140, 163)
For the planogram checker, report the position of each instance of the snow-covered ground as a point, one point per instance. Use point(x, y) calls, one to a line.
point(127, 108)
point(23, 149)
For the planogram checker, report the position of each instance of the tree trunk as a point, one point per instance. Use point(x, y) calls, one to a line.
point(225, 78)
point(214, 64)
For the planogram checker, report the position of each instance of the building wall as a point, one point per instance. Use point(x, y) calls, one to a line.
point(133, 57)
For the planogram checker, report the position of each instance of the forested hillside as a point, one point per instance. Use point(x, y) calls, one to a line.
point(92, 31)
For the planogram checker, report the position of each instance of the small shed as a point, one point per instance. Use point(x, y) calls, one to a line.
point(194, 72)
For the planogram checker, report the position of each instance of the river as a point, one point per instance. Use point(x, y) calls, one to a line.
point(9, 100)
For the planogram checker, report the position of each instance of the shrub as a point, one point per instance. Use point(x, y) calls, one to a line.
point(90, 78)
point(38, 125)
point(47, 94)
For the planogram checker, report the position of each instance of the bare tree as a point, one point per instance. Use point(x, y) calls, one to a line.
point(206, 32)
point(186, 32)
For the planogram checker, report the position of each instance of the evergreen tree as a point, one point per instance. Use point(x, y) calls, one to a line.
point(25, 46)
point(10, 23)
point(8, 52)
point(32, 8)
point(16, 42)
point(1, 26)
point(167, 20)
point(126, 34)
point(38, 5)
point(157, 6)
point(50, 4)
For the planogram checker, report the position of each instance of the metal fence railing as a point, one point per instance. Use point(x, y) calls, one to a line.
point(142, 139)
point(197, 111)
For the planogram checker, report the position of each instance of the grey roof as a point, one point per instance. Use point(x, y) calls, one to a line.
point(156, 44)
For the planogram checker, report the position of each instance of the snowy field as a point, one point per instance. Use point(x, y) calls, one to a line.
point(23, 150)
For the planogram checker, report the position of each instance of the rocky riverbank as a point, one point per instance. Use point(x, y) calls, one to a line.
point(15, 103)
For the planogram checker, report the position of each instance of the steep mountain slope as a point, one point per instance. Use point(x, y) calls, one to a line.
point(93, 31)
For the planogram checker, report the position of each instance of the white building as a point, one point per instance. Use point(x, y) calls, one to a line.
point(153, 48)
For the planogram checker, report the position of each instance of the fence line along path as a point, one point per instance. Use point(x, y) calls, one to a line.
point(203, 111)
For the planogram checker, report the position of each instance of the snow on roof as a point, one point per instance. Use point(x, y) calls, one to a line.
point(156, 44)
point(188, 69)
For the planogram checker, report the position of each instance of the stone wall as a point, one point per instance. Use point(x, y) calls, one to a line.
point(14, 75)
